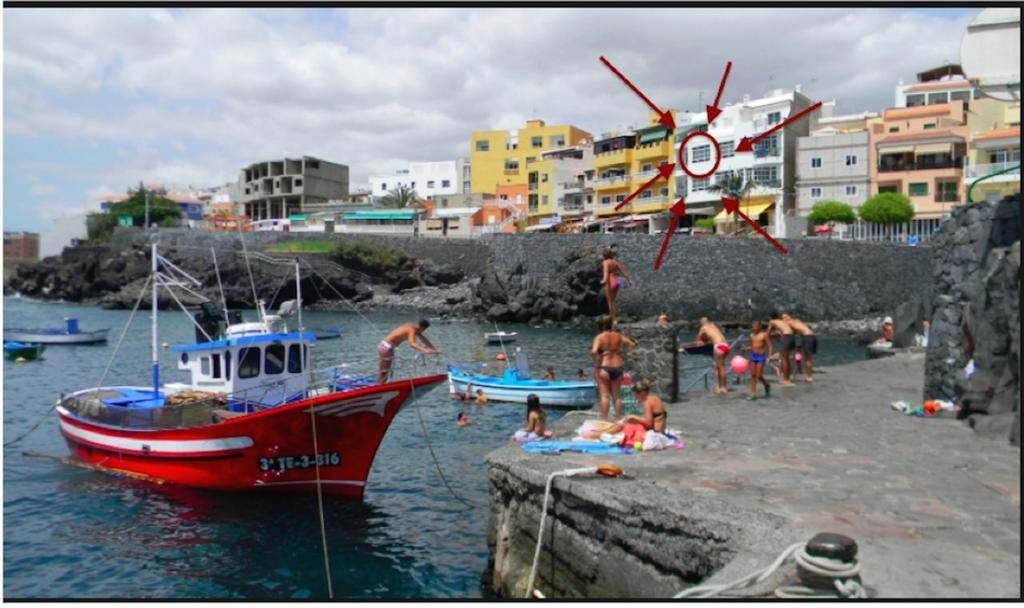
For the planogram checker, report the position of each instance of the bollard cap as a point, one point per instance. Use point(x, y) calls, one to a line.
point(832, 545)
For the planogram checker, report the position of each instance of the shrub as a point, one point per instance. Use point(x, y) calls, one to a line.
point(367, 256)
point(887, 208)
point(830, 212)
point(707, 223)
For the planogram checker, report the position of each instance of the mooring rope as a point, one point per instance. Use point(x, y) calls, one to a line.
point(320, 507)
point(110, 363)
point(842, 574)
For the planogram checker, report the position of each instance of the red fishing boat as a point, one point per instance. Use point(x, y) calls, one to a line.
point(252, 417)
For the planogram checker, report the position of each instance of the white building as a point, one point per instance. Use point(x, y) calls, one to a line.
point(937, 85)
point(771, 165)
point(426, 179)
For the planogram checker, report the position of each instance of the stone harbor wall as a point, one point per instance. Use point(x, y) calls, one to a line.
point(727, 279)
point(656, 357)
point(975, 314)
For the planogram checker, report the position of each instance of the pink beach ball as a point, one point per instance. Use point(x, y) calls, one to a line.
point(739, 365)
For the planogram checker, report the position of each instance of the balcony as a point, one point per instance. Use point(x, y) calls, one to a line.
point(921, 165)
point(973, 172)
point(654, 150)
point(947, 197)
point(763, 153)
point(614, 180)
point(577, 185)
point(615, 157)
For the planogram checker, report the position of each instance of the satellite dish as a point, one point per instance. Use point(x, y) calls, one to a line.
point(990, 53)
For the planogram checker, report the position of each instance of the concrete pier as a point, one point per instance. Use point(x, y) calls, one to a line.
point(934, 509)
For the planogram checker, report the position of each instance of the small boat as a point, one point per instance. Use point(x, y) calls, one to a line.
point(20, 350)
point(877, 350)
point(501, 337)
point(694, 348)
point(327, 333)
point(249, 419)
point(515, 384)
point(69, 334)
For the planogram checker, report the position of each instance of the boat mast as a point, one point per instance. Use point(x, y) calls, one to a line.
point(298, 292)
point(156, 361)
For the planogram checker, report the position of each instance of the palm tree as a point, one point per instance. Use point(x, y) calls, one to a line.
point(734, 187)
point(399, 198)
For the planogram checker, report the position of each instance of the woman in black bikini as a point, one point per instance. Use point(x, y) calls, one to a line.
point(607, 354)
point(655, 417)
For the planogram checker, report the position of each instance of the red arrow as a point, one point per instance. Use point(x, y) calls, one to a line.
point(713, 110)
point(733, 206)
point(665, 117)
point(678, 210)
point(663, 172)
point(745, 143)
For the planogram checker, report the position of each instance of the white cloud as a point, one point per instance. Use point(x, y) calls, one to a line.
point(222, 88)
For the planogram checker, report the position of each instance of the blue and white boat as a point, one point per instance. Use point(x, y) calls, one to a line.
point(69, 334)
point(515, 384)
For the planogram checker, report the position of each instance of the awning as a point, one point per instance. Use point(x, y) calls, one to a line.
point(655, 135)
point(943, 148)
point(751, 211)
point(540, 227)
point(882, 149)
point(380, 215)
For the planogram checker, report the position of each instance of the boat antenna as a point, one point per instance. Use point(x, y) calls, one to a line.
point(252, 283)
point(298, 294)
point(220, 286)
point(153, 240)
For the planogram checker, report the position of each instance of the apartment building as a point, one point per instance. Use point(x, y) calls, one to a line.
point(919, 151)
point(938, 85)
point(832, 163)
point(21, 246)
point(276, 189)
point(553, 179)
point(427, 179)
point(506, 158)
point(771, 167)
point(993, 146)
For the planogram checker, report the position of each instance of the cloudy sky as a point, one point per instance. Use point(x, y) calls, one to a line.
point(106, 98)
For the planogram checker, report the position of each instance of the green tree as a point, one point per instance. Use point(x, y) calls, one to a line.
point(829, 212)
point(707, 223)
point(887, 209)
point(399, 198)
point(735, 187)
point(162, 211)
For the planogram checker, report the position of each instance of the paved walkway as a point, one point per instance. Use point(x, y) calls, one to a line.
point(934, 508)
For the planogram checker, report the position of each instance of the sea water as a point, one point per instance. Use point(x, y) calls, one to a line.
point(76, 533)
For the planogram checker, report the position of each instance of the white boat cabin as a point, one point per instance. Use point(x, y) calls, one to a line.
point(256, 364)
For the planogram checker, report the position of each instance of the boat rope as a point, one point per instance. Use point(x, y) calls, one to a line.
point(842, 574)
point(110, 363)
point(252, 282)
point(185, 310)
point(501, 341)
point(320, 506)
point(220, 286)
point(607, 470)
point(346, 300)
point(470, 505)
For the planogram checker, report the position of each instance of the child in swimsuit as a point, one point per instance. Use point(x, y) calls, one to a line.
point(760, 350)
point(535, 421)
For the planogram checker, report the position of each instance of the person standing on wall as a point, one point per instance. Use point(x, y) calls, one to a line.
point(610, 271)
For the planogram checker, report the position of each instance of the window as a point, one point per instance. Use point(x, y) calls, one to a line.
point(204, 366)
point(816, 162)
point(851, 160)
point(664, 191)
point(882, 189)
point(644, 168)
point(215, 359)
point(930, 125)
point(774, 118)
point(430, 183)
point(700, 184)
point(482, 145)
point(543, 177)
point(537, 142)
point(512, 164)
point(646, 194)
point(274, 362)
point(700, 153)
point(297, 182)
point(619, 198)
point(544, 199)
point(851, 191)
point(412, 185)
point(294, 360)
point(769, 146)
point(557, 140)
point(606, 200)
point(915, 100)
point(728, 149)
point(383, 187)
point(965, 96)
point(531, 159)
point(247, 191)
point(249, 362)
point(934, 98)
point(815, 192)
point(445, 183)
point(894, 129)
point(312, 164)
point(764, 175)
point(997, 156)
point(227, 365)
point(920, 189)
point(277, 184)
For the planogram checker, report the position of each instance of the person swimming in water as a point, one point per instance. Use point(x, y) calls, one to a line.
point(607, 354)
point(610, 269)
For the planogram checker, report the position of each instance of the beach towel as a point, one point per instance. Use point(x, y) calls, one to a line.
point(633, 432)
point(588, 447)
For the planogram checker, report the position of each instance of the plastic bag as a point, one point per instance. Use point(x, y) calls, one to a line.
point(656, 441)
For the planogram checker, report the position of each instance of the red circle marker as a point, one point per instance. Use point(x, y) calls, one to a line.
point(718, 155)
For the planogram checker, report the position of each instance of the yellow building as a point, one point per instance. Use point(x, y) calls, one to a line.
point(501, 158)
point(625, 162)
point(993, 145)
